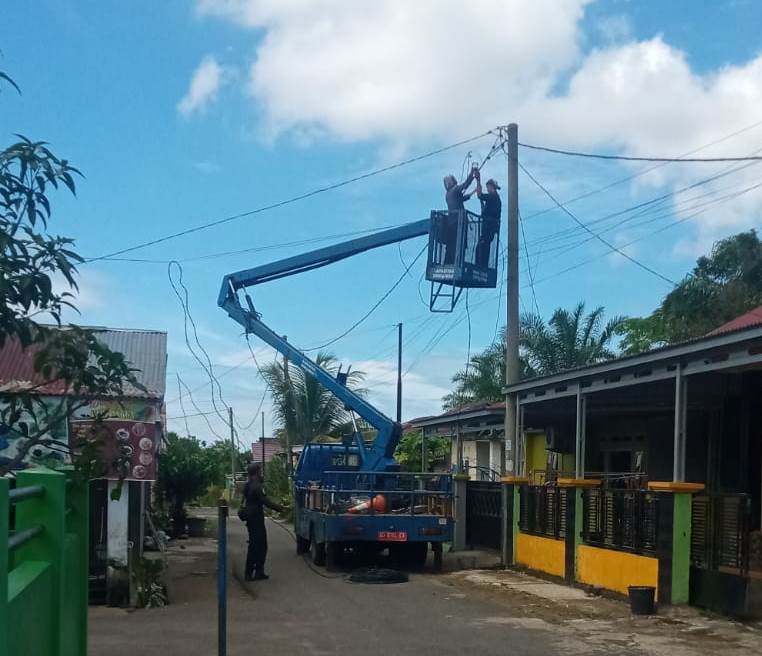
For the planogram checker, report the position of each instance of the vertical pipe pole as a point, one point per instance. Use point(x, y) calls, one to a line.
point(512, 304)
point(581, 425)
point(232, 452)
point(222, 601)
point(263, 444)
point(678, 466)
point(399, 373)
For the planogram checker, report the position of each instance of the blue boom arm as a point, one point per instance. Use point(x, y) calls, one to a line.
point(380, 455)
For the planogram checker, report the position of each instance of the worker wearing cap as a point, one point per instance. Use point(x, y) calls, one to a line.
point(254, 515)
point(491, 210)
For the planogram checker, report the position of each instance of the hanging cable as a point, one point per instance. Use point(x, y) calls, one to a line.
point(596, 235)
point(626, 158)
point(372, 309)
point(293, 199)
point(529, 265)
point(182, 405)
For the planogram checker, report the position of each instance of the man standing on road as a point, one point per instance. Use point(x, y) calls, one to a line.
point(254, 516)
point(491, 210)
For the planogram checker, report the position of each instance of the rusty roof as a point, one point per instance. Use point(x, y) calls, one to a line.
point(145, 350)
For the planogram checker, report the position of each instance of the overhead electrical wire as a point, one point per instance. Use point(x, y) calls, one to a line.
point(646, 236)
point(372, 309)
point(627, 158)
point(647, 170)
point(529, 265)
point(292, 199)
point(604, 241)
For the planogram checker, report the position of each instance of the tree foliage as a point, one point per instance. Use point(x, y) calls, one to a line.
point(723, 285)
point(302, 406)
point(409, 453)
point(185, 471)
point(31, 259)
point(569, 339)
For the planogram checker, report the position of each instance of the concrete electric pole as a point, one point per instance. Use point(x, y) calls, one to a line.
point(512, 287)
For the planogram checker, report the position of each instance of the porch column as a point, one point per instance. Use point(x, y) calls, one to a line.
point(460, 490)
point(521, 461)
point(581, 426)
point(678, 471)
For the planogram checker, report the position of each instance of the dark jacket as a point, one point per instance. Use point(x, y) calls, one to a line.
point(256, 500)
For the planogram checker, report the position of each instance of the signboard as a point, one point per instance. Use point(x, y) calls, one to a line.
point(127, 409)
point(135, 440)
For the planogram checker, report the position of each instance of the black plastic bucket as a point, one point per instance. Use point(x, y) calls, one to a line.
point(642, 599)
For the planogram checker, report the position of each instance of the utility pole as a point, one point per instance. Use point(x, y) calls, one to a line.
point(512, 304)
point(399, 373)
point(288, 400)
point(262, 439)
point(232, 452)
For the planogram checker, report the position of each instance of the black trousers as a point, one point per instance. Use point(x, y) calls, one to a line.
point(257, 551)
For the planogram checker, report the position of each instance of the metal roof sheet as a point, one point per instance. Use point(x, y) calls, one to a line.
point(145, 350)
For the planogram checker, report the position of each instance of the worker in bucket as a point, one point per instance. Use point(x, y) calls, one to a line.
point(253, 514)
point(456, 196)
point(491, 210)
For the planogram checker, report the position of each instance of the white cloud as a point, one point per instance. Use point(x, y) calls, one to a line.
point(401, 73)
point(422, 394)
point(204, 87)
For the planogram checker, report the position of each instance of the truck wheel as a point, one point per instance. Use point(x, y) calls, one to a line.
point(317, 550)
point(333, 553)
point(437, 549)
point(416, 555)
point(302, 545)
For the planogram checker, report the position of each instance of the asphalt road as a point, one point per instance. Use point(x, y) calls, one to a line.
point(303, 612)
point(300, 612)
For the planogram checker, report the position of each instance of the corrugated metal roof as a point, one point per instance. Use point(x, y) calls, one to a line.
point(145, 350)
point(748, 320)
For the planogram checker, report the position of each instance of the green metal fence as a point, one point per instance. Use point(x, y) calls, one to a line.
point(43, 565)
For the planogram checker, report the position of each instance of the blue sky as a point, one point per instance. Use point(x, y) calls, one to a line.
point(183, 112)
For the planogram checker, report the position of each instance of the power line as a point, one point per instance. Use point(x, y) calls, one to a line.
point(254, 249)
point(642, 237)
point(292, 199)
point(647, 170)
point(596, 235)
point(372, 309)
point(626, 158)
point(529, 264)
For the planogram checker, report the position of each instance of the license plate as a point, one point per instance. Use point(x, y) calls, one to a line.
point(392, 536)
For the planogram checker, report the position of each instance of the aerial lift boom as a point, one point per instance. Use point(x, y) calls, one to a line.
point(379, 456)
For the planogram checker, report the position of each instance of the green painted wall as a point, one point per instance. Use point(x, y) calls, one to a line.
point(681, 548)
point(44, 596)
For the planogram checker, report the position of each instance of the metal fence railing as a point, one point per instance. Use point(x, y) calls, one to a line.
point(542, 510)
point(484, 514)
point(624, 519)
point(720, 532)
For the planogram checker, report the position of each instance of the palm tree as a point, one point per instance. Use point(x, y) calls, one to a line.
point(569, 339)
point(303, 407)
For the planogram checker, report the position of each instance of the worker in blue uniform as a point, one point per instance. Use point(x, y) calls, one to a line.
point(456, 196)
point(254, 516)
point(490, 227)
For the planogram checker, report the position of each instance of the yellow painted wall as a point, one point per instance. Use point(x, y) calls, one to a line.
point(536, 455)
point(615, 570)
point(542, 554)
